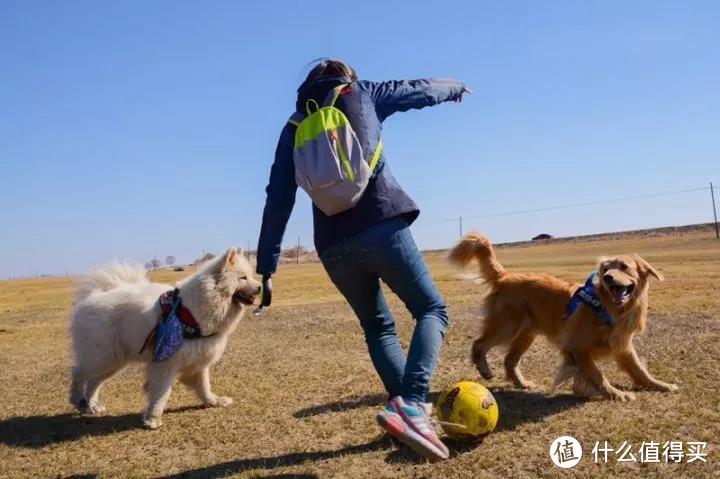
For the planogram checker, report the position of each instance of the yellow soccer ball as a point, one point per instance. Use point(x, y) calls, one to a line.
point(467, 411)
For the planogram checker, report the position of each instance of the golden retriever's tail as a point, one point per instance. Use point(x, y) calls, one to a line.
point(475, 245)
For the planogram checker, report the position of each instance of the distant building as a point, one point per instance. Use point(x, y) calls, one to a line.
point(543, 236)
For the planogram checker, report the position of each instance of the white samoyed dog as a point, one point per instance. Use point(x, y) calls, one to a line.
point(116, 310)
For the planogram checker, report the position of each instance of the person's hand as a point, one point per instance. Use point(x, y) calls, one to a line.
point(266, 290)
point(465, 91)
point(266, 295)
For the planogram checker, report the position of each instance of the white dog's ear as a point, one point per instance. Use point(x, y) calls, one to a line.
point(241, 251)
point(646, 268)
point(231, 258)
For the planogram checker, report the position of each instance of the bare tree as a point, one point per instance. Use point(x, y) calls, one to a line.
point(170, 260)
point(294, 252)
point(205, 257)
point(153, 264)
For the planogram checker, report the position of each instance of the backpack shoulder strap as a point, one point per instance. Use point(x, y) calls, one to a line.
point(333, 95)
point(296, 118)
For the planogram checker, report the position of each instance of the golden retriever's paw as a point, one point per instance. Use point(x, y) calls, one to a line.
point(661, 387)
point(484, 372)
point(622, 396)
point(152, 422)
point(525, 384)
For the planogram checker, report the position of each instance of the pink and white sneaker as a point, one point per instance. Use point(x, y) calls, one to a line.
point(411, 425)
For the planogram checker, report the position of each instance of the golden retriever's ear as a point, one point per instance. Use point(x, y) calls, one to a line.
point(600, 261)
point(646, 268)
point(231, 257)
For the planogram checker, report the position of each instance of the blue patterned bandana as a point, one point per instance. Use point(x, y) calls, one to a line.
point(176, 324)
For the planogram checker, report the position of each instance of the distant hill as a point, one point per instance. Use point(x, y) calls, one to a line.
point(645, 233)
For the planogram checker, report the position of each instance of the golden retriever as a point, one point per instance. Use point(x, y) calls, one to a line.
point(521, 306)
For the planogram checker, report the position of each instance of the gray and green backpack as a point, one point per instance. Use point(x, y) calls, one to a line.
point(329, 162)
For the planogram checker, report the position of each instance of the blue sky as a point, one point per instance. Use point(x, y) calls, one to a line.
point(133, 129)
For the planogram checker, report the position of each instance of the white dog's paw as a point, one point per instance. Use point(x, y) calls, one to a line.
point(220, 401)
point(86, 408)
point(98, 409)
point(670, 388)
point(152, 422)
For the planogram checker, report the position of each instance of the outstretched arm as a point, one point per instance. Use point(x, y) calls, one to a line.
point(279, 204)
point(394, 96)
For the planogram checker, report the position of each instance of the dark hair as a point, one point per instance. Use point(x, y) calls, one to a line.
point(328, 68)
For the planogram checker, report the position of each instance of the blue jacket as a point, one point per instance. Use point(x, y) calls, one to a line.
point(366, 104)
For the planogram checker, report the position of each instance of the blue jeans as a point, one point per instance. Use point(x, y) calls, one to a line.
point(387, 252)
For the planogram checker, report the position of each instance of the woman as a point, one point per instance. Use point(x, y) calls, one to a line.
point(372, 242)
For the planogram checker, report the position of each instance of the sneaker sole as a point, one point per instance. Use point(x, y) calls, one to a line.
point(403, 433)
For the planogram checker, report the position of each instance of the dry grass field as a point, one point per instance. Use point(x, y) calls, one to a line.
point(306, 394)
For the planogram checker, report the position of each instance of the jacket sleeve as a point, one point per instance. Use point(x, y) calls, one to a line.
point(278, 205)
point(394, 96)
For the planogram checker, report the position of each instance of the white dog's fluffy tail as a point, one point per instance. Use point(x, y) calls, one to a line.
point(109, 276)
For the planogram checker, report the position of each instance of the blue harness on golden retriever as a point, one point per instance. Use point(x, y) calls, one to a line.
point(587, 295)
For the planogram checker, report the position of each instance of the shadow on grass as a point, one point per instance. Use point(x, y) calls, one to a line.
point(39, 431)
point(229, 468)
point(368, 400)
point(519, 407)
point(404, 455)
